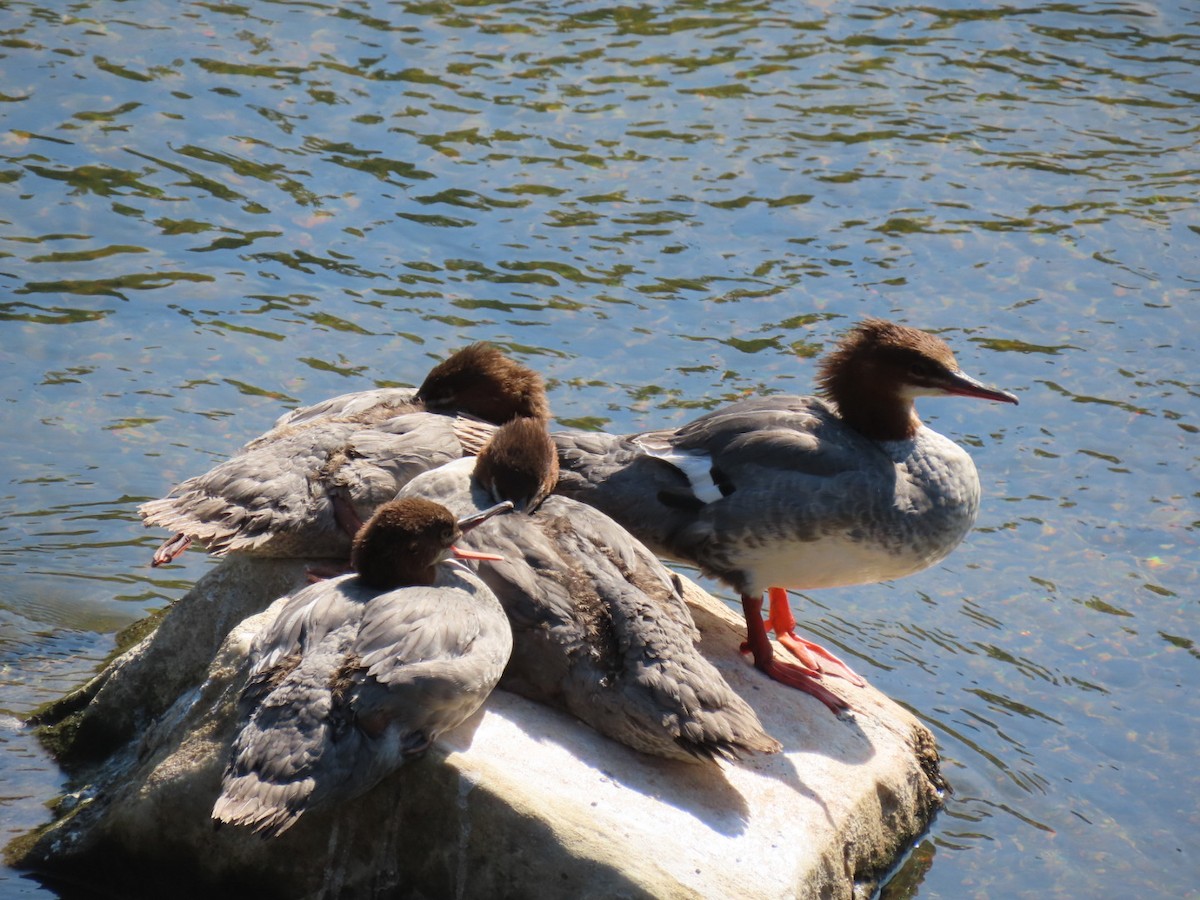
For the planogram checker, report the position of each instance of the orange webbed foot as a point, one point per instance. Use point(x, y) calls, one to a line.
point(812, 655)
point(803, 679)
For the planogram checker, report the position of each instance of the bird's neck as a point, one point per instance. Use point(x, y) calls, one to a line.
point(878, 416)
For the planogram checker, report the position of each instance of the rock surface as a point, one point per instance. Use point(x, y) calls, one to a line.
point(519, 801)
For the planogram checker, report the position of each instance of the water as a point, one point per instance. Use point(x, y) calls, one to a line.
point(212, 212)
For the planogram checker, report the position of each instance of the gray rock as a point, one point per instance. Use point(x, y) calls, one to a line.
point(519, 801)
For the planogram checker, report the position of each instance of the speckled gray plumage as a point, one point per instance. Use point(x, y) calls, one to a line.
point(798, 498)
point(277, 496)
point(274, 498)
point(362, 407)
point(349, 682)
point(600, 629)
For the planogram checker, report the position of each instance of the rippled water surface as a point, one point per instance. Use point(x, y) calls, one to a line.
point(211, 212)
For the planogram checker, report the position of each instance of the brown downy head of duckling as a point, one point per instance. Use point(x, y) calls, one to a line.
point(519, 464)
point(482, 381)
point(402, 543)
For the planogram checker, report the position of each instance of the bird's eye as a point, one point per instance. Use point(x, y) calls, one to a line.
point(923, 368)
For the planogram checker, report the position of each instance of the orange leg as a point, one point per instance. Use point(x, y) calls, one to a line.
point(802, 679)
point(813, 656)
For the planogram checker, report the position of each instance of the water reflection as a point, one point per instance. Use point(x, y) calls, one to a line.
point(52, 315)
point(211, 213)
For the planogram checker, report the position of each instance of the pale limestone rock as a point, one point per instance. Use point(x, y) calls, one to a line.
point(519, 801)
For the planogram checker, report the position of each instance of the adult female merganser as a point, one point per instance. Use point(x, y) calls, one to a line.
point(304, 487)
point(600, 629)
point(799, 492)
point(360, 673)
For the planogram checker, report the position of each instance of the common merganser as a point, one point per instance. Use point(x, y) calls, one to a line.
point(303, 488)
point(600, 628)
point(358, 674)
point(799, 492)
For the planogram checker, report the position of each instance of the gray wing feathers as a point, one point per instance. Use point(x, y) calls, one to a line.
point(399, 637)
point(239, 504)
point(601, 632)
point(346, 685)
point(274, 497)
point(663, 696)
point(353, 406)
point(284, 758)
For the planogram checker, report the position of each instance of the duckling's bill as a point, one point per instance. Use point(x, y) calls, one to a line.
point(466, 523)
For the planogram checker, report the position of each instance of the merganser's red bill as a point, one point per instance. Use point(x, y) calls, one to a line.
point(962, 385)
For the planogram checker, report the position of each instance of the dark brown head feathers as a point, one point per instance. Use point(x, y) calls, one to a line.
point(519, 463)
point(885, 355)
point(874, 372)
point(482, 381)
point(402, 542)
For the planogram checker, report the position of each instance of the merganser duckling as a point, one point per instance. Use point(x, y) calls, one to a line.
point(305, 487)
point(600, 628)
point(799, 492)
point(358, 674)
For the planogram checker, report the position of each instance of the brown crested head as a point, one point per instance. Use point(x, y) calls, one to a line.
point(402, 543)
point(519, 463)
point(483, 382)
point(883, 356)
point(878, 368)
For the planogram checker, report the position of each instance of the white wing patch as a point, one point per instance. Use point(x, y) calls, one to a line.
point(696, 467)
